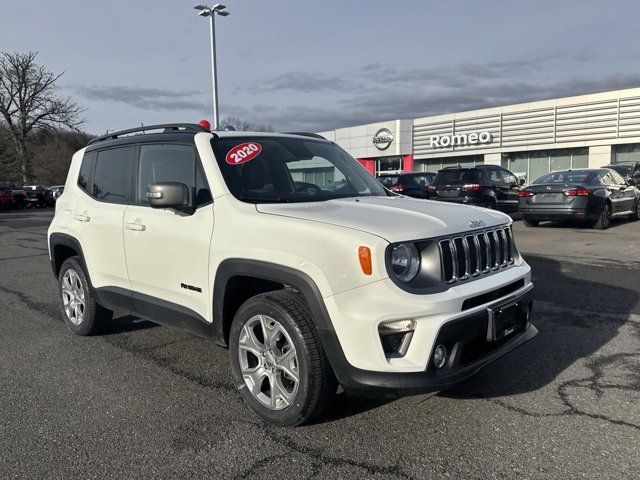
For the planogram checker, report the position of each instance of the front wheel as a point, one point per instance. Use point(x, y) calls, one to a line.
point(604, 219)
point(277, 360)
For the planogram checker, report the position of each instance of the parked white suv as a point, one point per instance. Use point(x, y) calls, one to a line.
point(283, 248)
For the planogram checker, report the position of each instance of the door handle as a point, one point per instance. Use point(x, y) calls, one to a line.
point(82, 217)
point(138, 227)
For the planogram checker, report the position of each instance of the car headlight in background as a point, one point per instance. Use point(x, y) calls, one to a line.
point(405, 261)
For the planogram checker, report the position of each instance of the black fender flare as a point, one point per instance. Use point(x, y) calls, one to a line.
point(287, 276)
point(56, 239)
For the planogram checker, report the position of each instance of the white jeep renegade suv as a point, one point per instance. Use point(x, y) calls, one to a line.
point(283, 248)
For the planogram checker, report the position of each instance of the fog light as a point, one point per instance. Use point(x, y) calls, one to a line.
point(440, 356)
point(396, 336)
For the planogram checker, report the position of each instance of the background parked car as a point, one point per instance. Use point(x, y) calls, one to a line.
point(411, 184)
point(593, 195)
point(38, 196)
point(629, 170)
point(56, 191)
point(19, 195)
point(489, 186)
point(6, 197)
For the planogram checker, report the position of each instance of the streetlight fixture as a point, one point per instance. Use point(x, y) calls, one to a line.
point(207, 11)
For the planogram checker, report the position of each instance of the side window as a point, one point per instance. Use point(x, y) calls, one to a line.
point(112, 175)
point(84, 178)
point(495, 176)
point(509, 178)
point(171, 163)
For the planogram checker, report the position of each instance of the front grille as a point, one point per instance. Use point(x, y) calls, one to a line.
point(472, 254)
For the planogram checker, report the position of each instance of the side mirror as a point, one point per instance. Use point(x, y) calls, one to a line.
point(522, 181)
point(168, 195)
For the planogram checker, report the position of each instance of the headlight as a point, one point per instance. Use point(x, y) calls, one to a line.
point(405, 261)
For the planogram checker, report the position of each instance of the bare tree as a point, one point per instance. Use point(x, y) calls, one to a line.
point(28, 103)
point(244, 126)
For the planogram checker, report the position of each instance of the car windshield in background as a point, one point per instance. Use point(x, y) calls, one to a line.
point(389, 180)
point(462, 175)
point(574, 176)
point(284, 169)
point(623, 170)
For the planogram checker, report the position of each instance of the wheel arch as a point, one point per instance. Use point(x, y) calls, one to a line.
point(237, 280)
point(63, 246)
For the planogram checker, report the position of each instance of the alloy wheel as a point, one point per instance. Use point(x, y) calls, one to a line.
point(268, 362)
point(73, 297)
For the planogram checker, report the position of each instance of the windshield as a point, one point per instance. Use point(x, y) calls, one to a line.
point(574, 176)
point(283, 169)
point(457, 175)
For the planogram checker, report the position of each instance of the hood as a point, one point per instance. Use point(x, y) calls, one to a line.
point(395, 219)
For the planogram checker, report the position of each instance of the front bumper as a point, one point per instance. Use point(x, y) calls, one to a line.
point(457, 317)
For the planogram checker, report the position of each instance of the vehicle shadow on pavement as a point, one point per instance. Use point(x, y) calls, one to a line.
point(575, 318)
point(128, 323)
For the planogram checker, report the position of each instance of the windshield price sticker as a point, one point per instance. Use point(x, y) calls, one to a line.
point(243, 153)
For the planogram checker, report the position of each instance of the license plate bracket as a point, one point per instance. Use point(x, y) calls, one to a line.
point(505, 320)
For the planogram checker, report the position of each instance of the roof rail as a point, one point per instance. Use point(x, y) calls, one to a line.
point(306, 134)
point(166, 127)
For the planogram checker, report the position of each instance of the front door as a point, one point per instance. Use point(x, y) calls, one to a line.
point(167, 252)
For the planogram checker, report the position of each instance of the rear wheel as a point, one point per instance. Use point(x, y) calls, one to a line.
point(530, 222)
point(277, 360)
point(604, 219)
point(490, 204)
point(82, 314)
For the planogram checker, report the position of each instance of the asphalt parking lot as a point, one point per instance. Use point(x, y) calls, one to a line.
point(144, 401)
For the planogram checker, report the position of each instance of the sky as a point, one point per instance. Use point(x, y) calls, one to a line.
point(314, 66)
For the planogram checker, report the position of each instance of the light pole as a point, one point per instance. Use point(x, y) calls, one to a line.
point(206, 11)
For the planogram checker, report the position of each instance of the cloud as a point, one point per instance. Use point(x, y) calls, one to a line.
point(305, 82)
point(144, 97)
point(386, 104)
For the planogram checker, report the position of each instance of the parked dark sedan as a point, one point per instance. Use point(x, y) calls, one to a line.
point(629, 170)
point(489, 186)
point(594, 195)
point(414, 184)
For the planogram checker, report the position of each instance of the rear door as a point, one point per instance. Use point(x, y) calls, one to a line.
point(105, 184)
point(509, 187)
point(167, 252)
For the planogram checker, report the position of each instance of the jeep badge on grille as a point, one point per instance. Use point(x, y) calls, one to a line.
point(477, 224)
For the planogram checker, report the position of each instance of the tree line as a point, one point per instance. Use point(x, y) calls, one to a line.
point(39, 129)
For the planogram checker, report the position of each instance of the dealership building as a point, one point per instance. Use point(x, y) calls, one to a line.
point(530, 139)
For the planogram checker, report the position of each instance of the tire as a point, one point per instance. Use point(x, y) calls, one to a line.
point(636, 214)
point(256, 368)
point(490, 204)
point(82, 314)
point(530, 222)
point(604, 219)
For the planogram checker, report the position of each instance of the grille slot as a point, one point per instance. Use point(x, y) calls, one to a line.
point(474, 254)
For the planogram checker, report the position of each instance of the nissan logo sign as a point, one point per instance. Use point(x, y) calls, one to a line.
point(382, 139)
point(461, 139)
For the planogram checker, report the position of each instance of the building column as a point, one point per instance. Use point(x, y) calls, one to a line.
point(369, 164)
point(493, 158)
point(600, 155)
point(407, 163)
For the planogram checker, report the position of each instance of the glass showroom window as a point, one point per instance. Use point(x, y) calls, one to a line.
point(435, 164)
point(627, 153)
point(540, 162)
